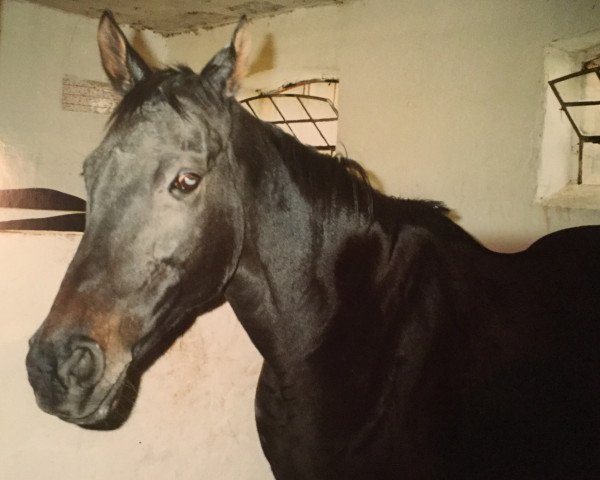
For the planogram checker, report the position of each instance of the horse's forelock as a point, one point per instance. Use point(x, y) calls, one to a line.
point(170, 85)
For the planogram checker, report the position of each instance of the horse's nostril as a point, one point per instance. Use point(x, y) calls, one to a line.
point(84, 366)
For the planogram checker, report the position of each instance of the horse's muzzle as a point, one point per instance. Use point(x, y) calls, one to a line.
point(63, 373)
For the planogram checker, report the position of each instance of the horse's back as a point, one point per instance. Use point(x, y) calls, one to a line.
point(564, 270)
point(540, 417)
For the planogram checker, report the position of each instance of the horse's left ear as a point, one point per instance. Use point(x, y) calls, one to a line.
point(228, 67)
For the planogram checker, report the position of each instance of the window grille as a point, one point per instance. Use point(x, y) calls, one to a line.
point(578, 94)
point(307, 110)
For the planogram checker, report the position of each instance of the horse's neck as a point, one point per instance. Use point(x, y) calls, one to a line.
point(284, 290)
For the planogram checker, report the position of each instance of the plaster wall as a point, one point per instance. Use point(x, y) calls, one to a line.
point(283, 49)
point(445, 100)
point(42, 145)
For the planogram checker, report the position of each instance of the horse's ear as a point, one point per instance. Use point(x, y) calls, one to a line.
point(228, 67)
point(121, 62)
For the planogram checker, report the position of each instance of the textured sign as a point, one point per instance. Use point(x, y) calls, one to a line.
point(88, 95)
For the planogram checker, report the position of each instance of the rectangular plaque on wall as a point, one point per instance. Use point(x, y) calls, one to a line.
point(88, 95)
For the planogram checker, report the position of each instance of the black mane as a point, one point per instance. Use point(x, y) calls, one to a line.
point(339, 182)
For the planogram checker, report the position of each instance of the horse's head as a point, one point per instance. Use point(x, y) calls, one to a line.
point(164, 228)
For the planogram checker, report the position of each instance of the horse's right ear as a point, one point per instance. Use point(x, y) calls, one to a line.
point(121, 62)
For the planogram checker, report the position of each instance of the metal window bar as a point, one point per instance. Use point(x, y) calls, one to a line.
point(564, 106)
point(326, 146)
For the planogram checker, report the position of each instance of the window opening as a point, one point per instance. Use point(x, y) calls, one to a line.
point(578, 94)
point(306, 110)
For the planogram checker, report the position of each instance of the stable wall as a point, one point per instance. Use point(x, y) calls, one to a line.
point(444, 100)
point(42, 145)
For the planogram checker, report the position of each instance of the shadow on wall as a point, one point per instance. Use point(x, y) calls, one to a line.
point(265, 59)
point(139, 43)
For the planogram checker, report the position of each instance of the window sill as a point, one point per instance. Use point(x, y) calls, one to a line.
point(586, 197)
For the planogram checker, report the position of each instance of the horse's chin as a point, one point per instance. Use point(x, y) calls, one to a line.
point(104, 414)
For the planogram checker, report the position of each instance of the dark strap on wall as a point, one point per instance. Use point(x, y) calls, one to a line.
point(44, 199)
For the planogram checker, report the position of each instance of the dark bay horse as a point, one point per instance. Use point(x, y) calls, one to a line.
point(395, 346)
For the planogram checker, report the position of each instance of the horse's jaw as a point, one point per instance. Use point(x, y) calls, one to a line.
point(102, 410)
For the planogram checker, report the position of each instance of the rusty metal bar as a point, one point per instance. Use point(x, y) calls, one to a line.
point(580, 164)
point(583, 71)
point(282, 116)
point(564, 108)
point(312, 120)
point(584, 103)
point(251, 109)
point(279, 122)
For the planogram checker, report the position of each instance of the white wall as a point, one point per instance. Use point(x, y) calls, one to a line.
point(439, 99)
point(285, 48)
point(42, 145)
point(443, 99)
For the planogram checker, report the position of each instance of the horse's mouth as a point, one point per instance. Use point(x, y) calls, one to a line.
point(104, 408)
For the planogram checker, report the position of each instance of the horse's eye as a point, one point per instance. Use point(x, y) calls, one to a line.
point(185, 182)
